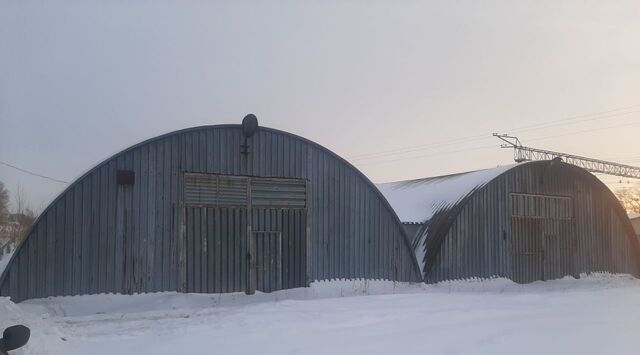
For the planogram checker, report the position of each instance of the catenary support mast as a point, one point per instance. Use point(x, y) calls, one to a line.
point(522, 153)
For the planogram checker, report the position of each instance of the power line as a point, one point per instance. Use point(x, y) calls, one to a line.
point(429, 155)
point(459, 140)
point(424, 147)
point(624, 157)
point(547, 125)
point(585, 131)
point(592, 115)
point(32, 173)
point(492, 146)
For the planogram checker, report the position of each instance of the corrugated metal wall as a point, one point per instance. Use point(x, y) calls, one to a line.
point(478, 237)
point(99, 236)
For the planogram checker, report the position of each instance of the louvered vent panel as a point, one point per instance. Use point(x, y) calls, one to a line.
point(278, 193)
point(541, 206)
point(232, 191)
point(214, 190)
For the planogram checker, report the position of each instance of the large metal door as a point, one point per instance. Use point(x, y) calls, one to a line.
point(229, 250)
point(278, 249)
point(543, 237)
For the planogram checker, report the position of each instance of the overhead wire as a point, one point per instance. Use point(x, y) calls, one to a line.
point(460, 140)
point(576, 119)
point(428, 155)
point(493, 145)
point(33, 173)
point(544, 125)
point(628, 124)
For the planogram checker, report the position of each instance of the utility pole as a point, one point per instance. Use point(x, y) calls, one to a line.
point(522, 153)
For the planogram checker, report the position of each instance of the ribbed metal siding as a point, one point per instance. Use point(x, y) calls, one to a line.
point(478, 242)
point(112, 238)
point(217, 248)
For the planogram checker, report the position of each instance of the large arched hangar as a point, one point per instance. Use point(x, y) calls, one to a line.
point(216, 209)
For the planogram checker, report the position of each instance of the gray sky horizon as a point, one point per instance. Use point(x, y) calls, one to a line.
point(402, 89)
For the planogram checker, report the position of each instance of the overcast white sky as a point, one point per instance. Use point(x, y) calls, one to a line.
point(80, 80)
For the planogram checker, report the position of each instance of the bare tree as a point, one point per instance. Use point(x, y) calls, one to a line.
point(4, 203)
point(23, 215)
point(19, 200)
point(630, 198)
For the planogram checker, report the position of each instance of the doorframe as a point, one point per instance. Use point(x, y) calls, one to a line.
point(573, 234)
point(250, 260)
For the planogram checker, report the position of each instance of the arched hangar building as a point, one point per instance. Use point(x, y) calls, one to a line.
point(529, 221)
point(216, 209)
point(233, 208)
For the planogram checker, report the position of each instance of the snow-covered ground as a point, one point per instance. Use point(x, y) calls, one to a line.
point(598, 314)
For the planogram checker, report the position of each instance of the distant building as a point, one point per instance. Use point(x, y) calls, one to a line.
point(635, 221)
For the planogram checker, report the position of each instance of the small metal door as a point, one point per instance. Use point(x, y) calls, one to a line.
point(277, 249)
point(268, 260)
point(528, 250)
point(559, 249)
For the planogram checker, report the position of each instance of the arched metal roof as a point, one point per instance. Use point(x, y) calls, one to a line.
point(416, 201)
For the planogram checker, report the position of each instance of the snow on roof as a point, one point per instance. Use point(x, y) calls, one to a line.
point(416, 201)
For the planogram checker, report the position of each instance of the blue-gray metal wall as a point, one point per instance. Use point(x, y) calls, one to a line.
point(476, 236)
point(99, 236)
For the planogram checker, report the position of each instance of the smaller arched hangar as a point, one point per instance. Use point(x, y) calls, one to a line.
point(527, 222)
